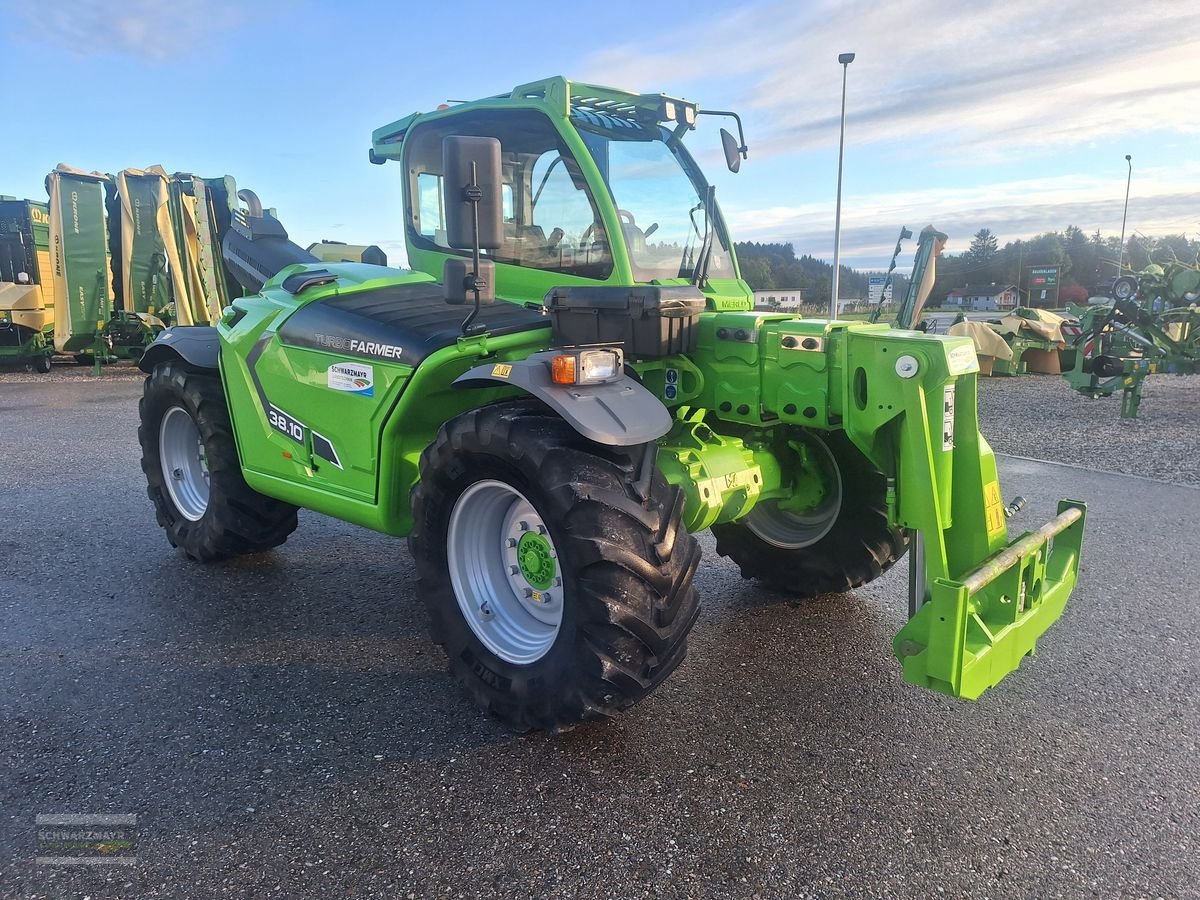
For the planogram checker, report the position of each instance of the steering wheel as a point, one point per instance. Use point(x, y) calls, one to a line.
point(626, 219)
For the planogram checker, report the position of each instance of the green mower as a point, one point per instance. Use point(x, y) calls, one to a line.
point(567, 385)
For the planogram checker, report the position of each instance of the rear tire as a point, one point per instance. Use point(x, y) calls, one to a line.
point(206, 508)
point(857, 547)
point(625, 604)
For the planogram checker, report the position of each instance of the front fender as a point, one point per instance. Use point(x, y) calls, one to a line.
point(195, 344)
point(619, 413)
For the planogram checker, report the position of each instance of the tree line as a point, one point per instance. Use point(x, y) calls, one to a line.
point(1087, 263)
point(767, 267)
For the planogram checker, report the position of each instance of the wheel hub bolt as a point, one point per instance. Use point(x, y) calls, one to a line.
point(514, 570)
point(511, 542)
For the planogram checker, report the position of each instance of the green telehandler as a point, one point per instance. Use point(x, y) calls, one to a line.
point(567, 385)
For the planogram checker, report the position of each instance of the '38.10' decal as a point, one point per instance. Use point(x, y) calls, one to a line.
point(285, 424)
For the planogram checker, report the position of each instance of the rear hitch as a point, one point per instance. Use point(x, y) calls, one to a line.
point(972, 632)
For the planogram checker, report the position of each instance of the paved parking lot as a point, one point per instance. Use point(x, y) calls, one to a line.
point(281, 725)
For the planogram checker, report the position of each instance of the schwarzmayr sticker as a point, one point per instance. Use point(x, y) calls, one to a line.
point(353, 378)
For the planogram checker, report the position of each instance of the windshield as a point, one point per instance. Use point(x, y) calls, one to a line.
point(662, 209)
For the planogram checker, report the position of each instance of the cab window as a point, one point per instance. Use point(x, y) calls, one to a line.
point(550, 221)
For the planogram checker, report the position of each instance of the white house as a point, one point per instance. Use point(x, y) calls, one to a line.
point(983, 296)
point(779, 299)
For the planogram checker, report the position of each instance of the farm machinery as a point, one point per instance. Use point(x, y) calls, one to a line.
point(132, 252)
point(1151, 325)
point(26, 289)
point(567, 385)
point(1024, 340)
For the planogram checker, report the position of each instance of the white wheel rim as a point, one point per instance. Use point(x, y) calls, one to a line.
point(184, 464)
point(505, 573)
point(794, 531)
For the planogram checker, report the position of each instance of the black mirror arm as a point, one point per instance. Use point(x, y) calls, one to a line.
point(743, 149)
point(472, 193)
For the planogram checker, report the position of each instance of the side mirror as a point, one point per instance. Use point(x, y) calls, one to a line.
point(471, 184)
point(733, 153)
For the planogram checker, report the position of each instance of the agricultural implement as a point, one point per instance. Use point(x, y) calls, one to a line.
point(26, 289)
point(1024, 340)
point(1151, 326)
point(567, 385)
point(133, 252)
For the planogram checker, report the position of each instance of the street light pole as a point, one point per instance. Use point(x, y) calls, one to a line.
point(1128, 179)
point(845, 59)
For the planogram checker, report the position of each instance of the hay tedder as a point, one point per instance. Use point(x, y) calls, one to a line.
point(1151, 325)
point(568, 384)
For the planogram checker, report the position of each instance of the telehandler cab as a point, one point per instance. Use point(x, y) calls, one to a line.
point(567, 385)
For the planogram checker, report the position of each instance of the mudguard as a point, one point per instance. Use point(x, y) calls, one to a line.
point(619, 413)
point(198, 345)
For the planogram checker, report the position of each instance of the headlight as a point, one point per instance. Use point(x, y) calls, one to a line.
point(587, 366)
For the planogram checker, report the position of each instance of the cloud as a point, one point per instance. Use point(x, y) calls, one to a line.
point(974, 90)
point(983, 77)
point(152, 30)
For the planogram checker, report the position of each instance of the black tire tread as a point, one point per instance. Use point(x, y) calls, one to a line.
point(239, 520)
point(860, 547)
point(632, 560)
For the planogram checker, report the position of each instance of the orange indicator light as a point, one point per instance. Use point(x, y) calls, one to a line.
point(562, 370)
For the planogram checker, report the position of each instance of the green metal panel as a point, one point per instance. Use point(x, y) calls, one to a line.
point(215, 199)
point(147, 248)
point(79, 253)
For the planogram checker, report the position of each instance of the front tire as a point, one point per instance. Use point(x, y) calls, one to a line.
point(193, 475)
point(42, 364)
point(588, 618)
point(837, 548)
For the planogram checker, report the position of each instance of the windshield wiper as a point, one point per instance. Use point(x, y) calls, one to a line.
point(700, 272)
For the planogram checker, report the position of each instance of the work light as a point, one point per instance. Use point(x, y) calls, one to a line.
point(587, 366)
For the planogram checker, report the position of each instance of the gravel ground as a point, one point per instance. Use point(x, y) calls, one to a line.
point(65, 370)
point(1040, 417)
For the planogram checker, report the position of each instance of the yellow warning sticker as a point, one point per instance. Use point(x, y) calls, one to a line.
point(501, 371)
point(991, 492)
point(993, 507)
